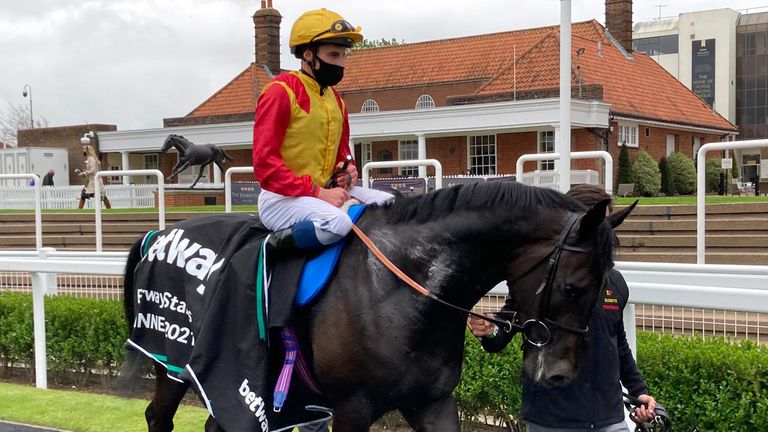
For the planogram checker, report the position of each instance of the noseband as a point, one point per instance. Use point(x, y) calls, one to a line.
point(529, 328)
point(538, 331)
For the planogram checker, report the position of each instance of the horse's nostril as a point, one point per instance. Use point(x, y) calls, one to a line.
point(558, 380)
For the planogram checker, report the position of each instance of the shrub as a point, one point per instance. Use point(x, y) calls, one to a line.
point(683, 173)
point(624, 172)
point(667, 185)
point(647, 175)
point(712, 175)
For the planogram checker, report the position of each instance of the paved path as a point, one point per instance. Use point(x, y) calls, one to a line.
point(6, 426)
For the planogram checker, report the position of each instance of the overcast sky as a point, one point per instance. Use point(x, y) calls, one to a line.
point(134, 62)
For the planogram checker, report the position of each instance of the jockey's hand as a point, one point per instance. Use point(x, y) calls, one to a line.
point(480, 327)
point(645, 412)
point(346, 179)
point(335, 196)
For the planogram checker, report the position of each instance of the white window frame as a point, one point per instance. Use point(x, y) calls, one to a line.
point(369, 106)
point(543, 147)
point(484, 167)
point(408, 149)
point(148, 164)
point(628, 135)
point(115, 179)
point(696, 147)
point(425, 101)
point(366, 156)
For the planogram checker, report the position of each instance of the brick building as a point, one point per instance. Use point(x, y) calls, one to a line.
point(475, 103)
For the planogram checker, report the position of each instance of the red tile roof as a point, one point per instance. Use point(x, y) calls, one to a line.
point(635, 87)
point(237, 96)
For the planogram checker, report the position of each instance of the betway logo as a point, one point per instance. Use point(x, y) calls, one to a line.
point(198, 261)
point(255, 404)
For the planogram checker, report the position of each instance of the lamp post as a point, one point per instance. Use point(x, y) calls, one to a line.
point(28, 91)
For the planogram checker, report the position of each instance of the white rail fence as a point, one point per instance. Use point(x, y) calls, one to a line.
point(551, 179)
point(724, 287)
point(67, 197)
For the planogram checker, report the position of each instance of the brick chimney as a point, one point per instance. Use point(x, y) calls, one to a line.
point(266, 23)
point(618, 20)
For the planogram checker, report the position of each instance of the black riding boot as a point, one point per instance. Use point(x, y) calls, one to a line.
point(291, 241)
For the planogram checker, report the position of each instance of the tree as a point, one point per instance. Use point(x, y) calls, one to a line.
point(647, 175)
point(368, 43)
point(17, 117)
point(624, 174)
point(667, 184)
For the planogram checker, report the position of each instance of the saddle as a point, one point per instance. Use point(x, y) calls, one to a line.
point(318, 270)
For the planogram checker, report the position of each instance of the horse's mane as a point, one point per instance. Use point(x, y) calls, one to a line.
point(514, 196)
point(476, 196)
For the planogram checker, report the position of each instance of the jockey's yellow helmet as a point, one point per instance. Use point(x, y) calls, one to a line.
point(323, 25)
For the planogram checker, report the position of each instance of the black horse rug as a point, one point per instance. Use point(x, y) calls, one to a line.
point(203, 309)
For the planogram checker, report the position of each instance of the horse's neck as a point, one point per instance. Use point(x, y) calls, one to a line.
point(180, 147)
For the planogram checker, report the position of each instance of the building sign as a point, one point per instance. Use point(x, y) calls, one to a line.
point(726, 163)
point(406, 186)
point(703, 70)
point(245, 193)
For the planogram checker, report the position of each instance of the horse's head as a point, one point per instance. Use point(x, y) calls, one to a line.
point(179, 142)
point(554, 286)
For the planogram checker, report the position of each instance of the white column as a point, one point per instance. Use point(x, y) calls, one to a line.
point(563, 145)
point(422, 154)
point(352, 152)
point(556, 127)
point(125, 166)
point(216, 174)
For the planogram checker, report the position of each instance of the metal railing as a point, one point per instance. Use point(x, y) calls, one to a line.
point(599, 154)
point(145, 172)
point(726, 287)
point(38, 210)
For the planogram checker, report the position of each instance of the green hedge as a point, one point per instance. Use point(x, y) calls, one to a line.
point(82, 336)
point(707, 383)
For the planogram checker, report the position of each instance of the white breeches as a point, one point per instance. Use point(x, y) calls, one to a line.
point(331, 223)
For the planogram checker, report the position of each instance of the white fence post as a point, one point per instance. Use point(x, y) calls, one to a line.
point(228, 184)
point(597, 154)
point(404, 163)
point(38, 207)
point(39, 287)
point(97, 196)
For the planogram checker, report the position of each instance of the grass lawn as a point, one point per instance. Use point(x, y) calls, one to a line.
point(691, 200)
point(85, 412)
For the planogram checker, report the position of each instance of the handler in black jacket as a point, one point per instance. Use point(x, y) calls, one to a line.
point(593, 402)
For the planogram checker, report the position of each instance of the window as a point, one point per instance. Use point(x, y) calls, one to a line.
point(370, 105)
point(115, 179)
point(482, 154)
point(425, 101)
point(150, 162)
point(547, 145)
point(696, 147)
point(657, 45)
point(628, 135)
point(384, 155)
point(408, 150)
point(363, 154)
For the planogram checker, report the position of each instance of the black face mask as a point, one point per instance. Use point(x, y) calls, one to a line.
point(327, 75)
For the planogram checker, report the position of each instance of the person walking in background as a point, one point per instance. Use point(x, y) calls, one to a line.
point(92, 166)
point(48, 179)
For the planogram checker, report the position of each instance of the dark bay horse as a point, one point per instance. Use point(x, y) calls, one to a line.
point(191, 154)
point(379, 346)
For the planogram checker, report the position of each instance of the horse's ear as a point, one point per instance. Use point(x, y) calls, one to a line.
point(594, 217)
point(615, 219)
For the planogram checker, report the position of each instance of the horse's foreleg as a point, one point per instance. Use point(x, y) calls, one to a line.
point(200, 174)
point(180, 166)
point(353, 415)
point(437, 416)
point(168, 395)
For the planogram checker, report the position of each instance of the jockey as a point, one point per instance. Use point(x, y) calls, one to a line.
point(301, 139)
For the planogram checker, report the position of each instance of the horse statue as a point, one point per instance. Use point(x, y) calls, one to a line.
point(375, 345)
point(191, 154)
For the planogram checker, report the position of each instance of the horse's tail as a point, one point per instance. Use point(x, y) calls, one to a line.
point(134, 363)
point(225, 155)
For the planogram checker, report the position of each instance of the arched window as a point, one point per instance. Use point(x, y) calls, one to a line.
point(370, 105)
point(425, 101)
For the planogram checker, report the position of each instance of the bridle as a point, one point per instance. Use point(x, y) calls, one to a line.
point(530, 328)
point(538, 331)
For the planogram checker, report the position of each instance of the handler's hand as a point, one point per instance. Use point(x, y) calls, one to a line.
point(645, 412)
point(480, 327)
point(336, 196)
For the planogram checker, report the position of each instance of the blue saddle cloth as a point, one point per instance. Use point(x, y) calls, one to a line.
point(317, 271)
